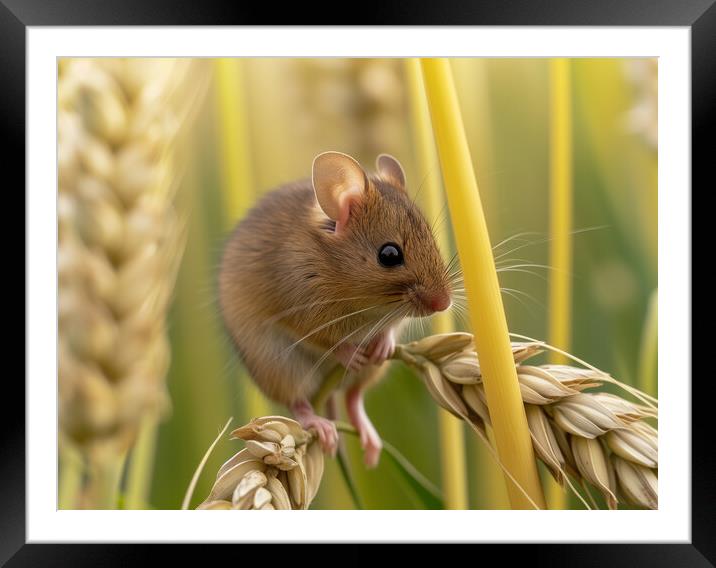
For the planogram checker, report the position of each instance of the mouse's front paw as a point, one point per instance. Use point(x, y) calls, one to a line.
point(382, 347)
point(351, 357)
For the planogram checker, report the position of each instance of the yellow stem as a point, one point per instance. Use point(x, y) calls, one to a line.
point(494, 494)
point(237, 176)
point(471, 81)
point(451, 430)
point(277, 155)
point(560, 292)
point(512, 437)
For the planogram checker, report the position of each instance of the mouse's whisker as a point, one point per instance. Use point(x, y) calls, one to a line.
point(327, 324)
point(344, 339)
point(530, 272)
point(335, 346)
point(439, 218)
point(386, 320)
point(535, 265)
point(525, 294)
point(461, 312)
point(457, 302)
point(531, 265)
point(451, 264)
point(393, 298)
point(420, 188)
point(411, 328)
point(310, 306)
point(546, 239)
point(516, 297)
point(422, 327)
point(508, 260)
point(373, 332)
point(518, 237)
point(453, 269)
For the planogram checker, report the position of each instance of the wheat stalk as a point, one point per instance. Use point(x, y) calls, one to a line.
point(280, 468)
point(452, 432)
point(487, 314)
point(120, 243)
point(595, 437)
point(642, 118)
point(362, 96)
point(560, 221)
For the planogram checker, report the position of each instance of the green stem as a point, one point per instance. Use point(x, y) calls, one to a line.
point(330, 384)
point(70, 480)
point(585, 487)
point(348, 477)
point(425, 485)
point(428, 492)
point(105, 472)
point(649, 348)
point(139, 477)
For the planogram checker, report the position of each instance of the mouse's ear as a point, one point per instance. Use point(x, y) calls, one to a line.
point(390, 169)
point(338, 180)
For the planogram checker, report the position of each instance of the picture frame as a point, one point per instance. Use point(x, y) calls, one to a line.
point(700, 16)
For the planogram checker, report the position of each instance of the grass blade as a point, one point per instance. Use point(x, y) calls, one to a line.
point(426, 491)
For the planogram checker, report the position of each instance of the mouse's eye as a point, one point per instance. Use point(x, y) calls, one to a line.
point(390, 255)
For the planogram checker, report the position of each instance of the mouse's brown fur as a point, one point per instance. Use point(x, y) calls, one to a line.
point(286, 274)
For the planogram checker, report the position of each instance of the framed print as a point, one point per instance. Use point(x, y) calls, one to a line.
point(425, 277)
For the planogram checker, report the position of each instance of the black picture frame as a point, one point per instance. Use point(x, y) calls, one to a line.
point(17, 15)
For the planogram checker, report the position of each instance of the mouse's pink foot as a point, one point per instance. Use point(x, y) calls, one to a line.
point(325, 429)
point(381, 347)
point(351, 357)
point(369, 439)
point(372, 445)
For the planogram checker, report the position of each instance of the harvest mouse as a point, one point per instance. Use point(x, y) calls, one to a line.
point(323, 272)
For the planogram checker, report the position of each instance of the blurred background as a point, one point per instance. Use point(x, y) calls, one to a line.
point(260, 122)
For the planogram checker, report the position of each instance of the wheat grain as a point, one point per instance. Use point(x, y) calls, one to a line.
point(595, 437)
point(120, 242)
point(280, 468)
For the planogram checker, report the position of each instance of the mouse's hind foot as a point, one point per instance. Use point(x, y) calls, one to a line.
point(325, 429)
point(369, 438)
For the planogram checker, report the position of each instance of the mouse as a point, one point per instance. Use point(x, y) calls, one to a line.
point(323, 272)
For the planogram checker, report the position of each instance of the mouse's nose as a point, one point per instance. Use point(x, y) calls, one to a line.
point(439, 302)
